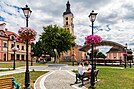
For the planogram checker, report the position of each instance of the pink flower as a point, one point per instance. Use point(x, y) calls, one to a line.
point(124, 54)
point(93, 39)
point(27, 33)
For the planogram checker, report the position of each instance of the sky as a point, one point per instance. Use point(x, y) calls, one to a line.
point(114, 20)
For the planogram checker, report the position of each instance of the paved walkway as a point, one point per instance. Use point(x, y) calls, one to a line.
point(58, 77)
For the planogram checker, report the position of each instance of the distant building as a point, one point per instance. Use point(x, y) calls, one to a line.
point(68, 24)
point(114, 54)
point(7, 43)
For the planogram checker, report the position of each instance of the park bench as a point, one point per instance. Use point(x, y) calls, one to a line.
point(8, 83)
point(88, 75)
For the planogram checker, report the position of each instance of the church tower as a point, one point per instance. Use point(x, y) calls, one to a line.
point(74, 54)
point(68, 19)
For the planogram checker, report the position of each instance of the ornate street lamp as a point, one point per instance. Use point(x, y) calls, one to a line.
point(24, 33)
point(92, 18)
point(14, 50)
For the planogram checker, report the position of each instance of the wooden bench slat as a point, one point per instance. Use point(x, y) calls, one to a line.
point(6, 83)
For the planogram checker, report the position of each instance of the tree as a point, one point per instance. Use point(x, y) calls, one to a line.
point(100, 55)
point(56, 38)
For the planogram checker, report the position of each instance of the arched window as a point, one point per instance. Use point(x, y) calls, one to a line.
point(66, 18)
point(12, 37)
point(66, 23)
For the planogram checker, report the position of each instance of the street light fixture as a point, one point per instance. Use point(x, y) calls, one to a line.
point(92, 18)
point(27, 12)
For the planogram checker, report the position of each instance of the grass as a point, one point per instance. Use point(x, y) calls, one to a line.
point(10, 64)
point(111, 78)
point(19, 77)
point(18, 64)
point(114, 78)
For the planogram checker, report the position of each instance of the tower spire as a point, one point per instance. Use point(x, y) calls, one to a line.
point(68, 7)
point(68, 10)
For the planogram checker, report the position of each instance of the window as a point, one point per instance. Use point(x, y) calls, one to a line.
point(1, 33)
point(12, 37)
point(18, 57)
point(66, 18)
point(22, 57)
point(12, 45)
point(12, 56)
point(5, 45)
point(18, 46)
point(72, 19)
point(5, 57)
point(66, 23)
point(22, 48)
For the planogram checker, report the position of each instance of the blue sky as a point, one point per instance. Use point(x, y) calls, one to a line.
point(114, 20)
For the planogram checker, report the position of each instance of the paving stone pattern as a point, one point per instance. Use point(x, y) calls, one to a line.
point(60, 79)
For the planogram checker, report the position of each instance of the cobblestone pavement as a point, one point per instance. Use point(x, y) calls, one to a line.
point(59, 79)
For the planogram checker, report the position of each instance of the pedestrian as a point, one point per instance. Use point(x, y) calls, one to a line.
point(80, 74)
point(89, 67)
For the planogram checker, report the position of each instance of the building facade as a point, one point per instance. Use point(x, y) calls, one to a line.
point(8, 40)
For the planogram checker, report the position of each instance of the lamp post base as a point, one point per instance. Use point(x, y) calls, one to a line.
point(27, 80)
point(92, 87)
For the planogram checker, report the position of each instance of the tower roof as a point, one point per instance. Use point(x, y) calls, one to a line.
point(68, 10)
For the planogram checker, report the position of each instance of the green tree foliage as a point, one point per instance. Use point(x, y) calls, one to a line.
point(54, 37)
point(38, 48)
point(100, 55)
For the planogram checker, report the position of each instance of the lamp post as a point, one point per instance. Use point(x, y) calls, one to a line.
point(27, 13)
point(131, 57)
point(92, 18)
point(126, 54)
point(14, 50)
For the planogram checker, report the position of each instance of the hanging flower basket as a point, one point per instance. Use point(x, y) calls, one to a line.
point(93, 39)
point(27, 33)
point(124, 54)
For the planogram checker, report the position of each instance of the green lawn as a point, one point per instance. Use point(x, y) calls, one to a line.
point(20, 77)
point(18, 64)
point(111, 78)
point(10, 64)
